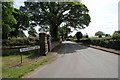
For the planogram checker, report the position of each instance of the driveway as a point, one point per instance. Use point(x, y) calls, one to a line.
point(77, 61)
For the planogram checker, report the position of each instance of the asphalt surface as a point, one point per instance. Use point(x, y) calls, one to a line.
point(77, 61)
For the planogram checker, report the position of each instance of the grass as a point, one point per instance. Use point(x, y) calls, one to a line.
point(19, 71)
point(101, 38)
point(0, 66)
point(12, 60)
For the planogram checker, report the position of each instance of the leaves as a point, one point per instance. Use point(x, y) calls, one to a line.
point(7, 18)
point(53, 14)
point(32, 31)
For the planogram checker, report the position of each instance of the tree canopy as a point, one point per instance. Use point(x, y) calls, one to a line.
point(8, 20)
point(32, 31)
point(22, 24)
point(53, 14)
point(13, 21)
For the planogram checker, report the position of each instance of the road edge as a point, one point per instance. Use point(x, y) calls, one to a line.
point(102, 48)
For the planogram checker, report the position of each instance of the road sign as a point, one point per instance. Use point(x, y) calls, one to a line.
point(29, 48)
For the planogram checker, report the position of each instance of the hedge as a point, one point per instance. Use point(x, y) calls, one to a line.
point(20, 41)
point(103, 42)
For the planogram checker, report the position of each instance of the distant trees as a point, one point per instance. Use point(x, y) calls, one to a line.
point(107, 35)
point(79, 35)
point(53, 14)
point(99, 34)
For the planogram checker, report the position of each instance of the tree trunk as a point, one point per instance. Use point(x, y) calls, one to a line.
point(54, 32)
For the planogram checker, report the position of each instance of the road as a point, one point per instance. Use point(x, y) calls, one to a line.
point(77, 61)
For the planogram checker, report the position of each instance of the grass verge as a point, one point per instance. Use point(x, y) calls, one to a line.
point(17, 72)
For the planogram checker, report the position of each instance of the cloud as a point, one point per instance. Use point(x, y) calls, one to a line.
point(104, 16)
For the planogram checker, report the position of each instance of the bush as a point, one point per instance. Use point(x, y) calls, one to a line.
point(20, 41)
point(85, 40)
point(108, 43)
point(8, 52)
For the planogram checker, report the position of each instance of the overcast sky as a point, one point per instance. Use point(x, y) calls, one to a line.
point(104, 15)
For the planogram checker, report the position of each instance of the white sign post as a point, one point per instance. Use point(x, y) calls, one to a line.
point(28, 49)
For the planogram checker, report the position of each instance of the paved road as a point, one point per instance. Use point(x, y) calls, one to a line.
point(78, 61)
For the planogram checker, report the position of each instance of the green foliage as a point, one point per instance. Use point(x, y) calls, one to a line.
point(79, 36)
point(22, 24)
point(20, 41)
point(13, 21)
point(8, 20)
point(63, 32)
point(116, 34)
point(32, 32)
point(53, 14)
point(85, 40)
point(99, 33)
point(69, 39)
point(108, 43)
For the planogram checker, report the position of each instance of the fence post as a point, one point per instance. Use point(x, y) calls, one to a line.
point(43, 44)
point(49, 42)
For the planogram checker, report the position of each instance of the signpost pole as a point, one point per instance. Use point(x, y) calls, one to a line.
point(21, 58)
point(27, 49)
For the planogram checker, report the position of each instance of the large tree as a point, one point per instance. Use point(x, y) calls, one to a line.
point(8, 20)
point(13, 21)
point(22, 23)
point(53, 14)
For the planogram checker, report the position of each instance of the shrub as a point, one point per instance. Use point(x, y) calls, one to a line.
point(85, 40)
point(20, 41)
point(108, 43)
